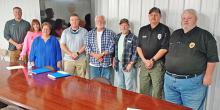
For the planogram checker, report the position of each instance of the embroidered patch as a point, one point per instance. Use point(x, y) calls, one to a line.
point(192, 45)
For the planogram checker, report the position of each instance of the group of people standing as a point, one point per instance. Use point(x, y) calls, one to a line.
point(179, 65)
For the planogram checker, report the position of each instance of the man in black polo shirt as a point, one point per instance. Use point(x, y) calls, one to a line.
point(152, 46)
point(190, 63)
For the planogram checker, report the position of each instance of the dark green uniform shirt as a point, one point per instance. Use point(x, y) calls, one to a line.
point(16, 31)
point(189, 52)
point(152, 40)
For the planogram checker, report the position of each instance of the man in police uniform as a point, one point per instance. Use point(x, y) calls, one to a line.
point(152, 46)
point(190, 63)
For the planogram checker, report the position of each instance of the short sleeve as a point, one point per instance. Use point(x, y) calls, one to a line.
point(165, 42)
point(212, 51)
point(63, 37)
point(139, 38)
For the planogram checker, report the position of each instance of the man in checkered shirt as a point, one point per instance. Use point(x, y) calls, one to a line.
point(99, 47)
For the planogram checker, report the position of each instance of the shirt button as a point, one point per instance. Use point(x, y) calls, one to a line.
point(174, 80)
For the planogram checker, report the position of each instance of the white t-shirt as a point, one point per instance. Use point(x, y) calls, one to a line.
point(99, 40)
point(121, 47)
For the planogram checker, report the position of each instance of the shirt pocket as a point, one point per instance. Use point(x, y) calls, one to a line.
point(176, 47)
point(129, 43)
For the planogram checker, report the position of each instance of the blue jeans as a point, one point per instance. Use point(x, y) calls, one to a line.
point(126, 80)
point(100, 72)
point(187, 92)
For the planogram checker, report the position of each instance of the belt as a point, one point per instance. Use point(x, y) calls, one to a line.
point(183, 76)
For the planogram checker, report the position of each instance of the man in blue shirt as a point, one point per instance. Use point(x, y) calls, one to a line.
point(100, 46)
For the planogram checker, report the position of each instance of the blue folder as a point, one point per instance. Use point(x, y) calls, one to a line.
point(40, 70)
point(58, 74)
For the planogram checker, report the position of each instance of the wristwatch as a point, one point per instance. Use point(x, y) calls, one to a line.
point(153, 59)
point(77, 53)
point(103, 53)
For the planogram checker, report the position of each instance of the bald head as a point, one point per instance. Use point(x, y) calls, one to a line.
point(188, 19)
point(100, 22)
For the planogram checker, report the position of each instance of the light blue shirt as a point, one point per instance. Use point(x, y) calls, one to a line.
point(73, 40)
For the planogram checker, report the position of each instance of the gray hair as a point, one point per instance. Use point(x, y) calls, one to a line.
point(100, 16)
point(191, 11)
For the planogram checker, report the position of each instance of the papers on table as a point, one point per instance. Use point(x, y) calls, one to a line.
point(128, 108)
point(53, 75)
point(58, 74)
point(14, 67)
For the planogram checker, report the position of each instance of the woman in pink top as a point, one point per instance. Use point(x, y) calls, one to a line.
point(34, 32)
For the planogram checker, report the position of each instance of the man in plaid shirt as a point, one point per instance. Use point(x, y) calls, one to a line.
point(125, 57)
point(99, 47)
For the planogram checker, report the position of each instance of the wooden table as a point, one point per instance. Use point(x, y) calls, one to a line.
point(71, 93)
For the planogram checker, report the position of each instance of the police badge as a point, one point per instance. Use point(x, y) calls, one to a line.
point(159, 36)
point(192, 45)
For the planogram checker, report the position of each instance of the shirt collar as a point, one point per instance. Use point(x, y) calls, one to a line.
point(158, 25)
point(18, 21)
point(74, 32)
point(189, 32)
point(126, 35)
point(102, 31)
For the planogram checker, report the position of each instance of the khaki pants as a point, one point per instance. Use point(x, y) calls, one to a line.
point(14, 55)
point(77, 67)
point(151, 81)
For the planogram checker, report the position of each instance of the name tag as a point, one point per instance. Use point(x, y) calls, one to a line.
point(144, 36)
point(129, 41)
